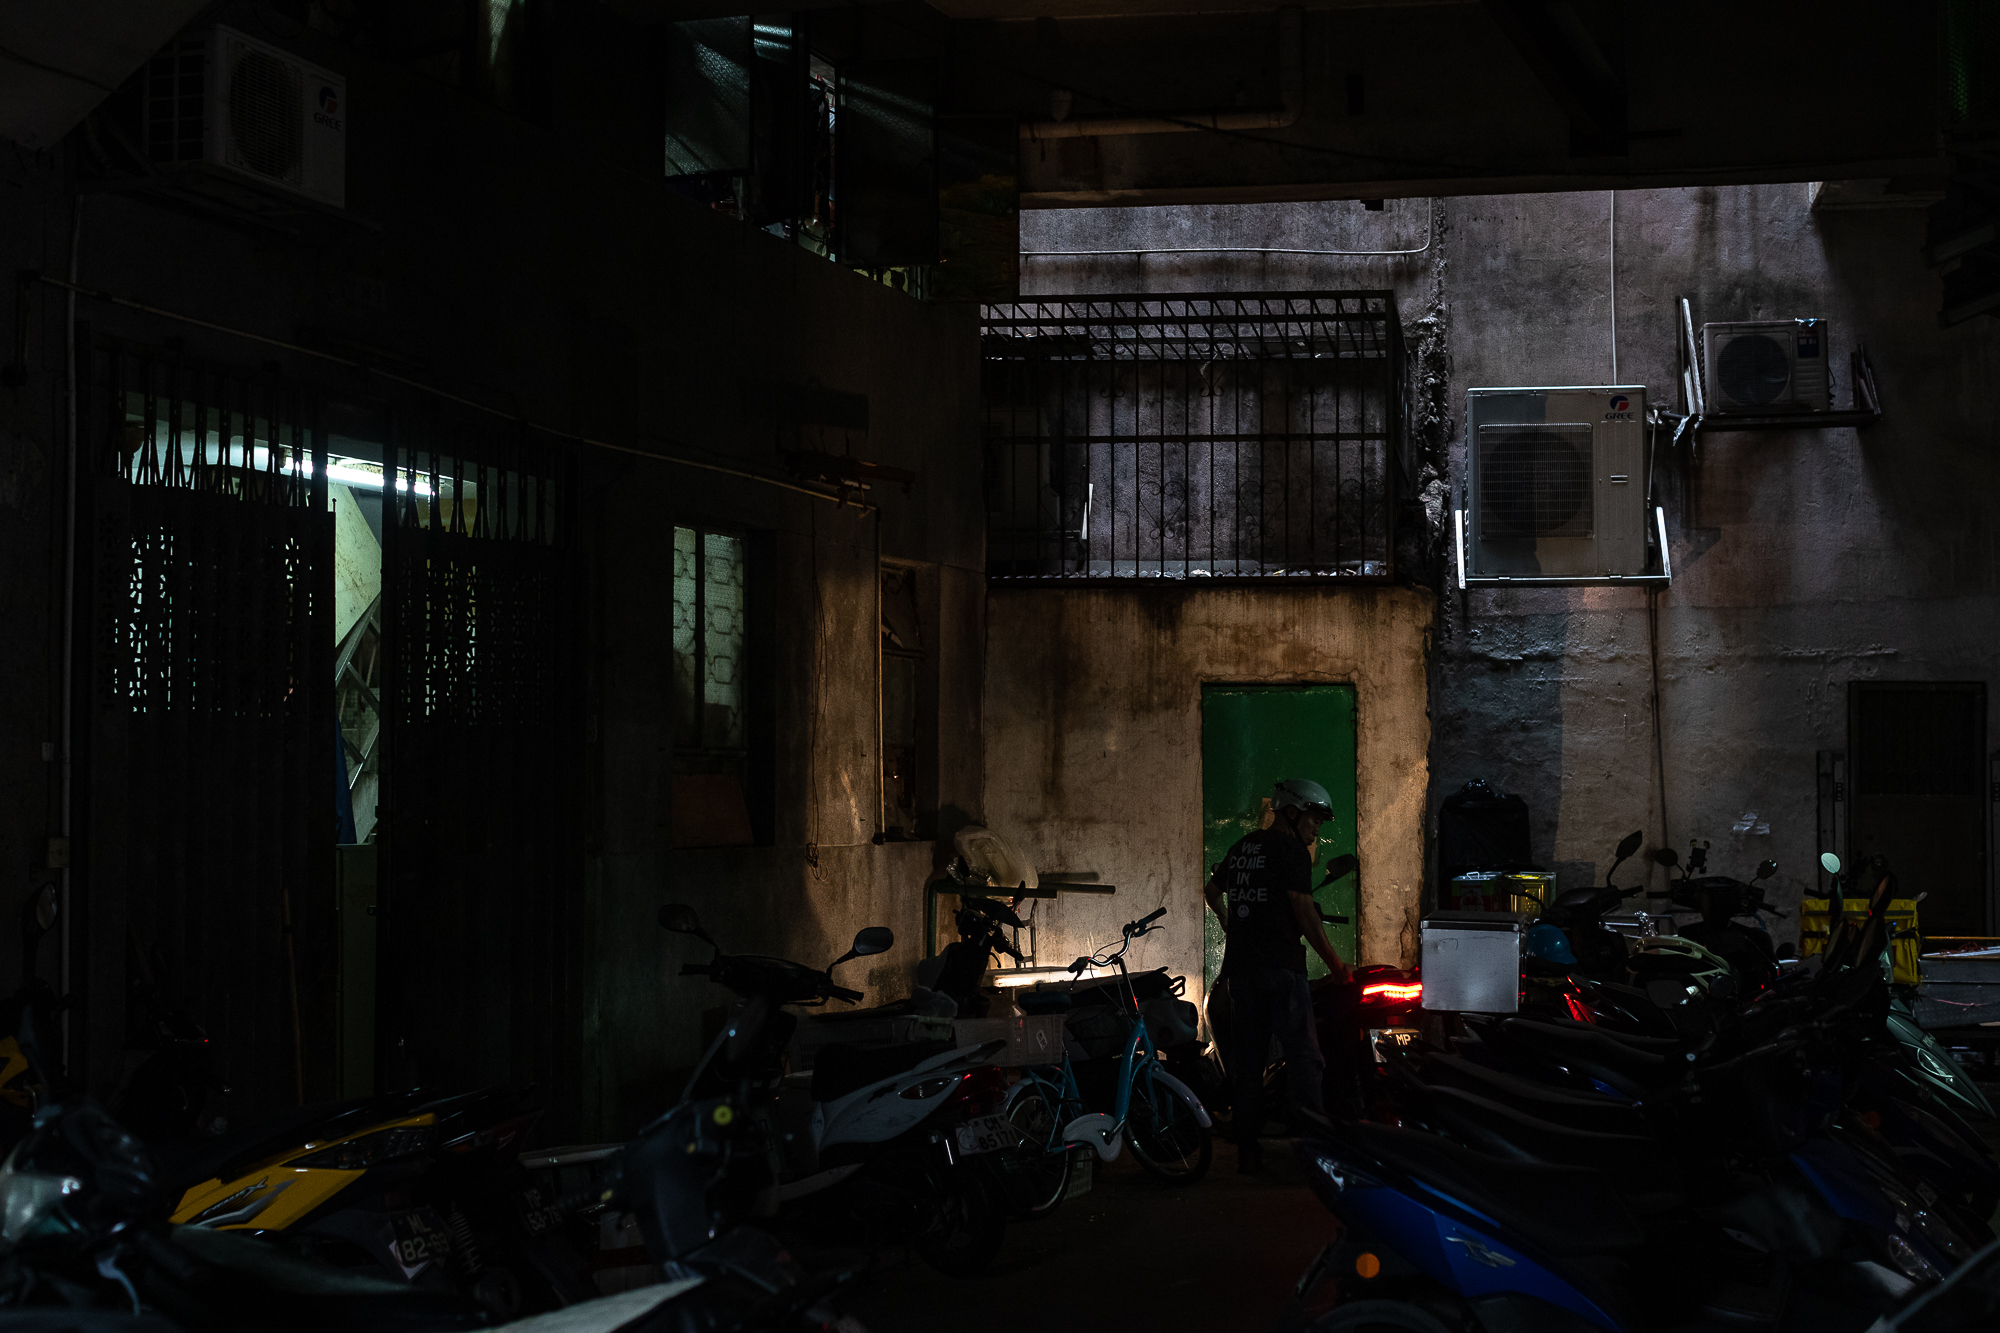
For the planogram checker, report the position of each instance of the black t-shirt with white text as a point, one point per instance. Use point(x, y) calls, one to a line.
point(1259, 875)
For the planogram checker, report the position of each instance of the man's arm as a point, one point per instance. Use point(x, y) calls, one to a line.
point(1306, 911)
point(1212, 891)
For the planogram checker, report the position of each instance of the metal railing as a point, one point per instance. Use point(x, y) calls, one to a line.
point(1223, 436)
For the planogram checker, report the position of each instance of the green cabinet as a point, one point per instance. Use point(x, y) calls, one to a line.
point(1252, 736)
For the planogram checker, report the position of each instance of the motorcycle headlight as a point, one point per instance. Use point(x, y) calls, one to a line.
point(1911, 1264)
point(358, 1154)
point(26, 1201)
point(1339, 1174)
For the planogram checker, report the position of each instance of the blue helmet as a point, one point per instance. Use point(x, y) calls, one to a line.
point(1549, 944)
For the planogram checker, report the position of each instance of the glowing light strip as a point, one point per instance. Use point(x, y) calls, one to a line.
point(1394, 990)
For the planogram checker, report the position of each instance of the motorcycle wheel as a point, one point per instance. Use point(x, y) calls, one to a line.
point(1033, 1180)
point(966, 1226)
point(1379, 1317)
point(1165, 1136)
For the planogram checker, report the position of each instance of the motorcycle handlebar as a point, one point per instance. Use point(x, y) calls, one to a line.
point(1145, 921)
point(842, 993)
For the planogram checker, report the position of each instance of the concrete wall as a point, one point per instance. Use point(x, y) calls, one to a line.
point(515, 267)
point(1093, 744)
point(1802, 560)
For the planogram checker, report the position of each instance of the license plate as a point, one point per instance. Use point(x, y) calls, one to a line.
point(1392, 1036)
point(419, 1238)
point(988, 1133)
point(538, 1212)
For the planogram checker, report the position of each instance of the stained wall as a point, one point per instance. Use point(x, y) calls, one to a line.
point(1803, 560)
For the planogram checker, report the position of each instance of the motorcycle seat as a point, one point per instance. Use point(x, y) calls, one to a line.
point(843, 1067)
point(1536, 1099)
point(1507, 1132)
point(1561, 1210)
point(1629, 1068)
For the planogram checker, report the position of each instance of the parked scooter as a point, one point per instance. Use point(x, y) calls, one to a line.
point(889, 1136)
point(1439, 1234)
point(84, 1220)
point(417, 1188)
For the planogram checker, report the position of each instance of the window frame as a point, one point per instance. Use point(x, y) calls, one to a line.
point(754, 762)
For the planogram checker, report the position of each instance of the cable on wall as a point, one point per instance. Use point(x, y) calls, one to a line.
point(1614, 286)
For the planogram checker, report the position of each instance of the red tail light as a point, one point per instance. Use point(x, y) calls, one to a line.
point(1577, 1011)
point(1392, 992)
point(983, 1091)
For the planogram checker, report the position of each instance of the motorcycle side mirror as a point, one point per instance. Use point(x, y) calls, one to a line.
point(1630, 843)
point(38, 918)
point(870, 939)
point(1667, 857)
point(1829, 863)
point(1787, 953)
point(1765, 869)
point(681, 920)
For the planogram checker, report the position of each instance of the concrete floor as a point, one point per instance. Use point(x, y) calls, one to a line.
point(1222, 1255)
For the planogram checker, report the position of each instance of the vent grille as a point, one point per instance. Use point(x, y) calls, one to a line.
point(266, 115)
point(1753, 369)
point(1535, 481)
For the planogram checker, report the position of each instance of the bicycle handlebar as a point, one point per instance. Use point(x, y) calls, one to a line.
point(1145, 921)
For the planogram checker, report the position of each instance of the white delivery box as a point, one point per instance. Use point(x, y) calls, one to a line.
point(1472, 962)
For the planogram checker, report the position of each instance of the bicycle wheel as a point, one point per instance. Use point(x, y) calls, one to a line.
point(1033, 1179)
point(1165, 1136)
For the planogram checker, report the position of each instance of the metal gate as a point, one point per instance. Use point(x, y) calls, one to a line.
point(482, 861)
point(204, 828)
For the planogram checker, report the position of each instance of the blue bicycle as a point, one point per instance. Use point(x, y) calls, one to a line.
point(1156, 1113)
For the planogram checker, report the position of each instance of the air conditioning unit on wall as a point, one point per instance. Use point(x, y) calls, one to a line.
point(229, 101)
point(1555, 489)
point(1765, 366)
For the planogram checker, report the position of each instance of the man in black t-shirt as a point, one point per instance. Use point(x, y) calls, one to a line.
point(1266, 880)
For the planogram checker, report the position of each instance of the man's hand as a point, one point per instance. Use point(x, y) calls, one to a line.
point(1306, 912)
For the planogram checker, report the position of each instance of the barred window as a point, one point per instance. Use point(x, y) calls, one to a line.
point(1239, 436)
point(709, 587)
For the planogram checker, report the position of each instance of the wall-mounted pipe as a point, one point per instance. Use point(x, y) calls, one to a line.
point(1291, 92)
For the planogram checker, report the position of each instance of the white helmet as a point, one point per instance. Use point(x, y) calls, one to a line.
point(1303, 794)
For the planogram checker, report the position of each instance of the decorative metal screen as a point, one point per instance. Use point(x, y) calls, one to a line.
point(205, 853)
point(1250, 436)
point(483, 695)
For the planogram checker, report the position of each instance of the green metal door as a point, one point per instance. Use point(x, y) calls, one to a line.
point(1253, 736)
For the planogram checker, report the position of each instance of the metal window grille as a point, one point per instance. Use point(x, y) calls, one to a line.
point(1223, 436)
point(205, 738)
point(480, 879)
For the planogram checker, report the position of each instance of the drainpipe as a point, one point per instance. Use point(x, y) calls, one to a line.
point(1291, 90)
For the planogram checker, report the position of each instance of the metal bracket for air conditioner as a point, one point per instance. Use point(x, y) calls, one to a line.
point(1659, 580)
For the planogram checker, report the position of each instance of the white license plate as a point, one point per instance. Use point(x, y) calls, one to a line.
point(1392, 1036)
point(989, 1133)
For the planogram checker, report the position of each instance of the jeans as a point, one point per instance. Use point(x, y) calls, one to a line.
point(1268, 1002)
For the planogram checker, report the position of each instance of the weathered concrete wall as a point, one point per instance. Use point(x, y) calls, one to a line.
point(1093, 744)
point(517, 268)
point(1802, 560)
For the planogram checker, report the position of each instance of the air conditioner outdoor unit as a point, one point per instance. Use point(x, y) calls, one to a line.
point(257, 113)
point(1556, 489)
point(1766, 366)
